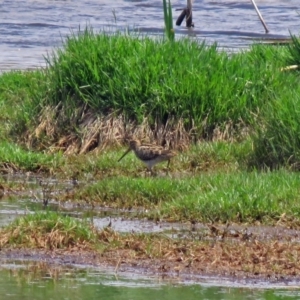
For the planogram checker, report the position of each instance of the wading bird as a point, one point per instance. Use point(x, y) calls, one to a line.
point(149, 154)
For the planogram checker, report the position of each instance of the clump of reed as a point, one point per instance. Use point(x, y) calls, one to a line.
point(276, 138)
point(276, 135)
point(168, 18)
point(294, 51)
point(143, 77)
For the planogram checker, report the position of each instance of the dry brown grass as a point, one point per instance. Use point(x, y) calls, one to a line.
point(241, 254)
point(44, 234)
point(216, 253)
point(51, 240)
point(85, 131)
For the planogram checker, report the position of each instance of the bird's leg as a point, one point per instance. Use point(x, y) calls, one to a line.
point(149, 170)
point(152, 173)
point(168, 165)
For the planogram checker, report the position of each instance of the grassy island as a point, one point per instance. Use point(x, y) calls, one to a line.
point(233, 119)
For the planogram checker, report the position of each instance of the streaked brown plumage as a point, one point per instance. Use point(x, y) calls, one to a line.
point(149, 154)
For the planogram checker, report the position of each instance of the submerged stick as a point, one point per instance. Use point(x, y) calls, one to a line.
point(181, 17)
point(189, 14)
point(260, 16)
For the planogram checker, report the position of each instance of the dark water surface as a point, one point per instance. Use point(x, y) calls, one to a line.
point(28, 29)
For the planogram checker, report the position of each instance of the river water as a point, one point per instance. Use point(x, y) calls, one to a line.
point(37, 281)
point(28, 29)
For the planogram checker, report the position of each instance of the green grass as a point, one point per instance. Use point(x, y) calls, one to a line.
point(145, 77)
point(294, 51)
point(217, 188)
point(209, 183)
point(168, 18)
point(222, 155)
point(205, 156)
point(140, 76)
point(18, 159)
point(185, 81)
point(20, 98)
point(276, 136)
point(62, 231)
point(101, 74)
point(238, 197)
point(211, 196)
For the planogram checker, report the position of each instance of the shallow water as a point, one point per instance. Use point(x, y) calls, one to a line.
point(23, 278)
point(29, 29)
point(33, 281)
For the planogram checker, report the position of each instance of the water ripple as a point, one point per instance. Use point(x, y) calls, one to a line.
point(29, 29)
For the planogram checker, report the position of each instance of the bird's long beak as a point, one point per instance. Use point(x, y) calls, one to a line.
point(124, 154)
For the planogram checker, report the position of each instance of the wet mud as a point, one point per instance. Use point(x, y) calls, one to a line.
point(218, 254)
point(215, 254)
point(161, 269)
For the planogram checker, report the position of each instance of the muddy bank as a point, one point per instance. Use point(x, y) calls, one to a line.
point(258, 256)
point(232, 254)
point(163, 269)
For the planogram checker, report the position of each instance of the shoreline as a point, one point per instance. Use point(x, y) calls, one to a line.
point(48, 260)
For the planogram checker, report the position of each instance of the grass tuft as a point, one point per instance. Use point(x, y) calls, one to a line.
point(48, 230)
point(15, 158)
